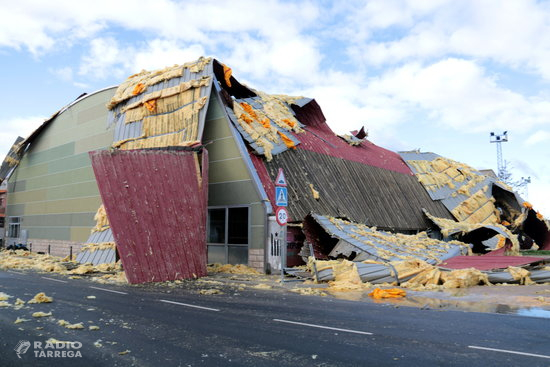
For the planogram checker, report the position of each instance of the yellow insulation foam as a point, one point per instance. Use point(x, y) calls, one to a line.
point(138, 83)
point(520, 274)
point(98, 246)
point(11, 161)
point(397, 245)
point(102, 222)
point(231, 269)
point(41, 298)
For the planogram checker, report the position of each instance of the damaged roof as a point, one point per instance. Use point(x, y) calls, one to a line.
point(368, 243)
point(363, 183)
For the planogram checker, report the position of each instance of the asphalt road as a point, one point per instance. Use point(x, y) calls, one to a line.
point(164, 326)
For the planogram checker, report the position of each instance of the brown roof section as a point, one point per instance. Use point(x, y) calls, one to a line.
point(348, 189)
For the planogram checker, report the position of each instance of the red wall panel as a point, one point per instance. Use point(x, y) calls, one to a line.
point(156, 202)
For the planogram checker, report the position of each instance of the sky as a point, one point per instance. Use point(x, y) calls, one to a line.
point(434, 75)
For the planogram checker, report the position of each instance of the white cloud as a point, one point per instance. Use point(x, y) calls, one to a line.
point(539, 196)
point(40, 26)
point(459, 94)
point(107, 58)
point(11, 128)
point(540, 136)
point(511, 33)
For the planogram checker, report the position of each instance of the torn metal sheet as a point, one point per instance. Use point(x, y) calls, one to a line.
point(97, 257)
point(489, 262)
point(266, 122)
point(369, 273)
point(160, 231)
point(11, 160)
point(277, 147)
point(371, 244)
point(464, 191)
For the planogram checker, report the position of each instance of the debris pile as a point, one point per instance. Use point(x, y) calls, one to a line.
point(25, 260)
point(362, 256)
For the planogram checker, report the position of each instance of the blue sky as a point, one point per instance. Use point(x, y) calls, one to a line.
point(435, 75)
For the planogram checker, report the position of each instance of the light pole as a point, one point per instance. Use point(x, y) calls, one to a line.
point(498, 139)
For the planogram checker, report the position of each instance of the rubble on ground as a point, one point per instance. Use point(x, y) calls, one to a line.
point(25, 260)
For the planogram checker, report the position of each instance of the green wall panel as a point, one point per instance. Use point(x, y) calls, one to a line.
point(60, 220)
point(58, 233)
point(70, 163)
point(257, 240)
point(222, 149)
point(80, 234)
point(81, 189)
point(28, 196)
point(227, 170)
point(232, 193)
point(63, 178)
point(99, 141)
point(15, 210)
point(65, 150)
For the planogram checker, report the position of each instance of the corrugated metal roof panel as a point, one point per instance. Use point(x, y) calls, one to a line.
point(348, 189)
point(277, 148)
point(158, 234)
point(488, 262)
point(452, 196)
point(381, 246)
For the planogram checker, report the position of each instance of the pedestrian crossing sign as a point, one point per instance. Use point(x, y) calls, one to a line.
point(281, 196)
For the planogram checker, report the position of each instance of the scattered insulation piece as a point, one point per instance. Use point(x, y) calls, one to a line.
point(41, 314)
point(41, 298)
point(232, 269)
point(20, 320)
point(92, 247)
point(4, 296)
point(262, 286)
point(379, 293)
point(314, 192)
point(210, 291)
point(102, 222)
point(350, 139)
point(68, 325)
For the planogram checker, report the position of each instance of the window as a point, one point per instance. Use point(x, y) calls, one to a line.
point(14, 227)
point(228, 232)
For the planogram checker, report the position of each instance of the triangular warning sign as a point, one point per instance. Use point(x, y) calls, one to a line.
point(280, 180)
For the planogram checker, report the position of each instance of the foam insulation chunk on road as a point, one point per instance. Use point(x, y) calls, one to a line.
point(379, 293)
point(25, 260)
point(41, 298)
point(68, 325)
point(41, 314)
point(232, 269)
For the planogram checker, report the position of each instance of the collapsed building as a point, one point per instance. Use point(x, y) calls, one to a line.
point(175, 168)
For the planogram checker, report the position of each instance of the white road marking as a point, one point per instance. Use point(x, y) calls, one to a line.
point(324, 327)
point(188, 305)
point(509, 351)
point(55, 280)
point(16, 272)
point(108, 290)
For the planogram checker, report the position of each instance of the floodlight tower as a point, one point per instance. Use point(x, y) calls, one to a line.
point(498, 139)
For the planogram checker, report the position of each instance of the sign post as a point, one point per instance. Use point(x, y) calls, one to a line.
point(281, 214)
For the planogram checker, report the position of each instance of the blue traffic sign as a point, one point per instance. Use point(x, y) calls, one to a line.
point(281, 196)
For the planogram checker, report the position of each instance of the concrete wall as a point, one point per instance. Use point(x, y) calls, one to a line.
point(53, 189)
point(230, 183)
